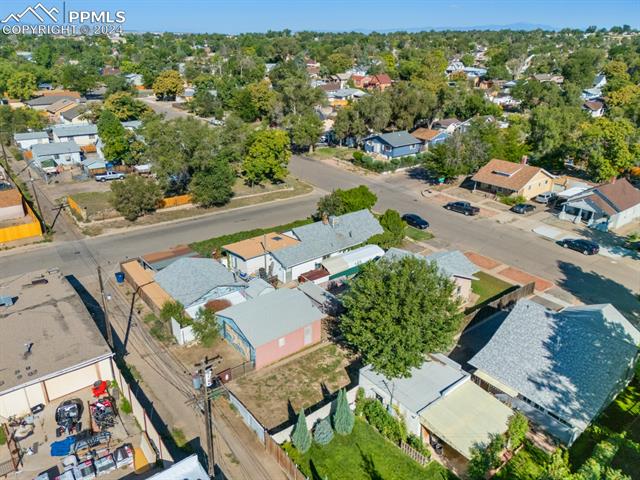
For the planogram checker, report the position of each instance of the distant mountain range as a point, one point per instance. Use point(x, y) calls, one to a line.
point(510, 26)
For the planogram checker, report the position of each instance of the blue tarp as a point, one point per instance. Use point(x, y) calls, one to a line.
point(62, 448)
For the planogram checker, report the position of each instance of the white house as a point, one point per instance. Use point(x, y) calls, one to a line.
point(63, 153)
point(301, 249)
point(26, 140)
point(82, 135)
point(595, 108)
point(134, 79)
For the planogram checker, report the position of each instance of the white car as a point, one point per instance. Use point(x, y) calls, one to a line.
point(109, 175)
point(545, 197)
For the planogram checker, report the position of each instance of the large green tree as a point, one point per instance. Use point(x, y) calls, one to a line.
point(168, 85)
point(213, 184)
point(21, 85)
point(267, 157)
point(114, 137)
point(125, 107)
point(340, 201)
point(134, 196)
point(420, 314)
point(305, 130)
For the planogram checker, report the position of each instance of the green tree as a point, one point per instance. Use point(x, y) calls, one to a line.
point(213, 185)
point(486, 457)
point(113, 136)
point(420, 314)
point(558, 466)
point(243, 105)
point(517, 430)
point(301, 437)
point(305, 130)
point(262, 97)
point(173, 309)
point(343, 417)
point(116, 83)
point(340, 201)
point(323, 433)
point(81, 78)
point(205, 104)
point(394, 230)
point(125, 107)
point(460, 154)
point(267, 157)
point(608, 147)
point(21, 85)
point(338, 62)
point(134, 196)
point(168, 85)
point(205, 327)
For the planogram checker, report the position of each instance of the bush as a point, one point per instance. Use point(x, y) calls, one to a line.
point(323, 433)
point(343, 418)
point(416, 443)
point(380, 419)
point(134, 196)
point(125, 406)
point(301, 437)
point(511, 200)
point(357, 156)
point(365, 161)
point(206, 328)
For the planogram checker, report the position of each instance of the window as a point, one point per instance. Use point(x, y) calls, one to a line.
point(281, 342)
point(91, 137)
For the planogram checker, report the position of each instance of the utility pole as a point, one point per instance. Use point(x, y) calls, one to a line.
point(107, 322)
point(35, 195)
point(208, 415)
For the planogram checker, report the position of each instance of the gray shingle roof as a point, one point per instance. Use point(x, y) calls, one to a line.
point(47, 100)
point(30, 136)
point(397, 139)
point(189, 279)
point(74, 130)
point(318, 239)
point(273, 315)
point(451, 263)
point(72, 113)
point(423, 386)
point(58, 148)
point(571, 362)
point(256, 287)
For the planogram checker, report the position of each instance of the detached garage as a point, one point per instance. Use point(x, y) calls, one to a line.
point(50, 345)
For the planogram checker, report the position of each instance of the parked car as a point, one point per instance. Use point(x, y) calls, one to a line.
point(415, 221)
point(523, 208)
point(109, 175)
point(462, 207)
point(545, 197)
point(586, 247)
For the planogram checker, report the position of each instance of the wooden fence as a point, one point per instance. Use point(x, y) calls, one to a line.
point(412, 453)
point(25, 230)
point(279, 455)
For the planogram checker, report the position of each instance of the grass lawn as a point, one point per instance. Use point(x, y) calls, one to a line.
point(417, 235)
point(488, 286)
point(363, 455)
point(323, 153)
point(272, 393)
point(525, 465)
point(96, 204)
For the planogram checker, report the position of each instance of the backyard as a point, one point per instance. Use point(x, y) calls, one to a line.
point(363, 455)
point(487, 286)
point(275, 394)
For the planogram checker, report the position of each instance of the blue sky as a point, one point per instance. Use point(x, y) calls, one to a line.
point(234, 16)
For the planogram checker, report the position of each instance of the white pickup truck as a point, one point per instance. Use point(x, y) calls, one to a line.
point(109, 175)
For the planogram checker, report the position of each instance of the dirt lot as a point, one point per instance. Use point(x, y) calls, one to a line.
point(275, 394)
point(192, 354)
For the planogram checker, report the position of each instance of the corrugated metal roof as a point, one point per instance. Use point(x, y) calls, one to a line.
point(57, 148)
point(74, 130)
point(569, 362)
point(352, 258)
point(318, 239)
point(273, 315)
point(30, 136)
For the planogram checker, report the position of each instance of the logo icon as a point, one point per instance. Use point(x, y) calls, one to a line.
point(39, 11)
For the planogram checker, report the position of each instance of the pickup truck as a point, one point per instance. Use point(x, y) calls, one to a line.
point(104, 177)
point(462, 207)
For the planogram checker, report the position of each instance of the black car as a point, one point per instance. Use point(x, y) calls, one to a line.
point(523, 208)
point(415, 221)
point(462, 207)
point(580, 245)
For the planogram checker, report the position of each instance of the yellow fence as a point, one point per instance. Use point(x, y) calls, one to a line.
point(19, 232)
point(73, 205)
point(176, 201)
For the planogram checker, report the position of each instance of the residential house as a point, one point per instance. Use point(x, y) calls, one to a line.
point(595, 108)
point(349, 263)
point(26, 140)
point(393, 144)
point(430, 137)
point(303, 248)
point(474, 72)
point(56, 109)
point(372, 82)
point(509, 178)
point(549, 78)
point(605, 207)
point(135, 80)
point(270, 327)
point(464, 126)
point(188, 468)
point(454, 66)
point(132, 125)
point(73, 115)
point(453, 264)
point(344, 95)
point(591, 94)
point(561, 369)
point(82, 134)
point(439, 402)
point(156, 261)
point(62, 153)
point(600, 81)
point(11, 207)
point(449, 125)
point(49, 97)
point(51, 346)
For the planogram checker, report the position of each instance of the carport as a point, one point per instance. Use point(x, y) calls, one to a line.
point(465, 417)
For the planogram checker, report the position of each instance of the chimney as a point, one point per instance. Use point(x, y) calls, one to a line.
point(325, 219)
point(524, 160)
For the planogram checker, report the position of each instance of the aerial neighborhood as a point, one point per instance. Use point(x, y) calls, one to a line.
point(319, 255)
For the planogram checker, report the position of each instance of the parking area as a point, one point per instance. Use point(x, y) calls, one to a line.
point(100, 440)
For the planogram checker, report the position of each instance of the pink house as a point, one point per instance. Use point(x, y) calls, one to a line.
point(272, 326)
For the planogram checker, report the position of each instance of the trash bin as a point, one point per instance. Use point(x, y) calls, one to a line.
point(120, 277)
